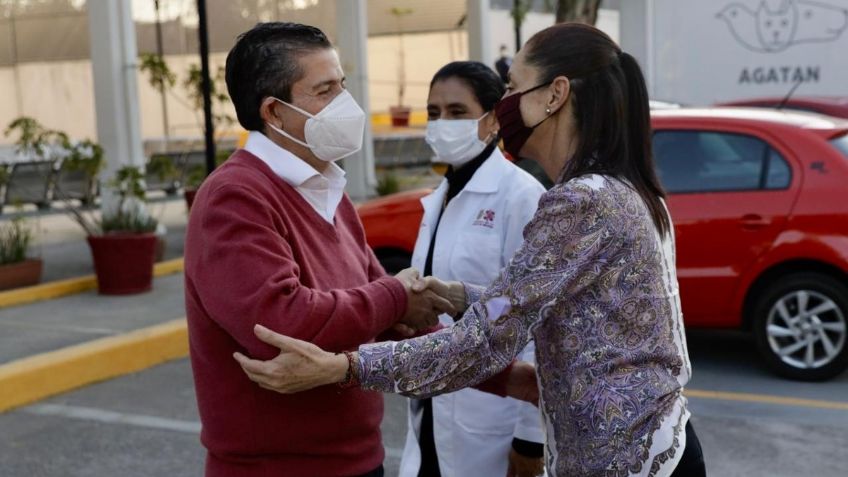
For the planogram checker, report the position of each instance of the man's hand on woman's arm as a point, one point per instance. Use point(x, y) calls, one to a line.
point(300, 365)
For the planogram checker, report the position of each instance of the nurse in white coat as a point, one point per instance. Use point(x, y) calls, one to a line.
point(471, 227)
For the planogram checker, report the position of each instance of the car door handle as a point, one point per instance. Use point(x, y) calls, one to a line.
point(753, 222)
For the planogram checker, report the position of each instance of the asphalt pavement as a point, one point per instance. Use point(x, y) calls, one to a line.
point(146, 424)
point(750, 422)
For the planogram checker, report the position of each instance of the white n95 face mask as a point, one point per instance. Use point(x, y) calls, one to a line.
point(455, 141)
point(335, 132)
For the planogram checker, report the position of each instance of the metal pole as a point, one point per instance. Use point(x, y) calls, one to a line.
point(160, 51)
point(352, 41)
point(478, 25)
point(15, 67)
point(516, 24)
point(206, 86)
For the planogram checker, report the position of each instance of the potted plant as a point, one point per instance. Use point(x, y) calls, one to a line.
point(34, 139)
point(16, 268)
point(4, 181)
point(162, 168)
point(400, 113)
point(194, 177)
point(123, 240)
point(37, 148)
point(197, 174)
point(193, 83)
point(82, 163)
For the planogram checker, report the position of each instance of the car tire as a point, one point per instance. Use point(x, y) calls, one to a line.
point(801, 326)
point(394, 261)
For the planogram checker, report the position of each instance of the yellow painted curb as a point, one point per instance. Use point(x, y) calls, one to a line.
point(766, 399)
point(37, 377)
point(72, 286)
point(168, 267)
point(416, 118)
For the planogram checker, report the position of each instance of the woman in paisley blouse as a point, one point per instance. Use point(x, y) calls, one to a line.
point(594, 282)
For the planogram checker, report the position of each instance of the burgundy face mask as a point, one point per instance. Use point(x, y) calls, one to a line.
point(513, 130)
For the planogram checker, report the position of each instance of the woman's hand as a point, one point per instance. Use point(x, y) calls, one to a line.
point(299, 366)
point(454, 292)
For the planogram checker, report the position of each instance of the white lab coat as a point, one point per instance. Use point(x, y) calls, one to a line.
point(480, 230)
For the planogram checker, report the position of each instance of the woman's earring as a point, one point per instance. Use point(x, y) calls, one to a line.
point(548, 110)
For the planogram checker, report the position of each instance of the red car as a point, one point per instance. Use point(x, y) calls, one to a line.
point(836, 106)
point(759, 201)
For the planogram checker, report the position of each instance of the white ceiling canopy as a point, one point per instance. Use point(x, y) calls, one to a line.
point(388, 17)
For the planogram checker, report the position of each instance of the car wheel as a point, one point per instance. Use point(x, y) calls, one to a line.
point(800, 326)
point(394, 261)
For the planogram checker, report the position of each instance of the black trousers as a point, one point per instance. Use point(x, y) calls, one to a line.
point(692, 462)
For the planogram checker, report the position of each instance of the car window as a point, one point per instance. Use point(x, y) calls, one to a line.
point(841, 143)
point(706, 161)
point(779, 174)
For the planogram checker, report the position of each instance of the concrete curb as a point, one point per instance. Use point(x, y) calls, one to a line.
point(72, 286)
point(36, 377)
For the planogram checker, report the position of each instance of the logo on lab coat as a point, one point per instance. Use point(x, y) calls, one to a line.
point(485, 218)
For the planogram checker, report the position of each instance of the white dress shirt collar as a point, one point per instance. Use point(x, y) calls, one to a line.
point(323, 192)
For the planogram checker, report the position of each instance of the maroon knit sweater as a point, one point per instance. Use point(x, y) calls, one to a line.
point(257, 252)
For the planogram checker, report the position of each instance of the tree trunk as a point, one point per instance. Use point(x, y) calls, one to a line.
point(583, 11)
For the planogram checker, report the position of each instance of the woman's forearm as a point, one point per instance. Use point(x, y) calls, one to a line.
point(484, 342)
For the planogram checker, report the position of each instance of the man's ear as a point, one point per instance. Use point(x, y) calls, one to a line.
point(561, 88)
point(266, 112)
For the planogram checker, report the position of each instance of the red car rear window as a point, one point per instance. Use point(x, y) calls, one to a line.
point(841, 143)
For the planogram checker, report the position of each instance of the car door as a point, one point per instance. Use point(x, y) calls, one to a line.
point(729, 196)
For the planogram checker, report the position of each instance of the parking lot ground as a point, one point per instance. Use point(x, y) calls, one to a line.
point(146, 424)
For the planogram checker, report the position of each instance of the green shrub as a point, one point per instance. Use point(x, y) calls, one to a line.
point(15, 239)
point(388, 184)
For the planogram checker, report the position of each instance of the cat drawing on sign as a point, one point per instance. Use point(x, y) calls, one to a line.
point(772, 30)
point(776, 28)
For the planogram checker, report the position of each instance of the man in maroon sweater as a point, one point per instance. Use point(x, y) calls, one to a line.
point(272, 239)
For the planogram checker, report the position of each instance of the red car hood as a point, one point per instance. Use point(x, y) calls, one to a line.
point(402, 202)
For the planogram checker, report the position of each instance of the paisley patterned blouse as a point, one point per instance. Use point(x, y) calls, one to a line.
point(595, 285)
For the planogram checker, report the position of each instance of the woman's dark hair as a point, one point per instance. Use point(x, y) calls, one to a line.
point(264, 62)
point(483, 81)
point(610, 106)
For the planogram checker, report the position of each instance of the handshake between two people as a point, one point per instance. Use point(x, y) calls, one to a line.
point(302, 365)
point(427, 298)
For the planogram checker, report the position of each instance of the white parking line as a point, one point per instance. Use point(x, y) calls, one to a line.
point(60, 327)
point(111, 417)
point(138, 420)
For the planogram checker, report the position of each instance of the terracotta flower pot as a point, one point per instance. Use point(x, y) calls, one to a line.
point(123, 262)
point(400, 116)
point(21, 274)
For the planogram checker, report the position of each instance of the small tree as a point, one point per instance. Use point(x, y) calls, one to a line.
point(160, 77)
point(519, 11)
point(583, 11)
point(34, 138)
point(194, 84)
point(159, 74)
point(399, 13)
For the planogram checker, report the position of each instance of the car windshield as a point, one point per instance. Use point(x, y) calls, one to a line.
point(841, 143)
